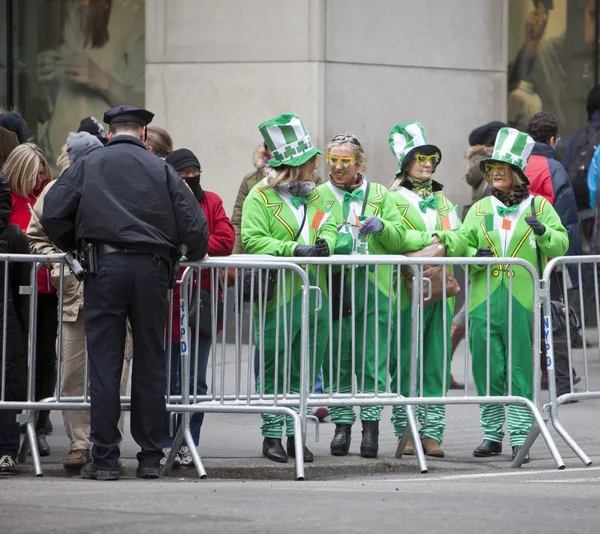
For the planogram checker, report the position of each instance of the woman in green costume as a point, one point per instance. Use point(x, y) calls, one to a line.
point(284, 215)
point(503, 225)
point(430, 218)
point(369, 223)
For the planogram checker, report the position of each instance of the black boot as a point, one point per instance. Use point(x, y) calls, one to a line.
point(516, 449)
point(340, 444)
point(487, 448)
point(42, 444)
point(291, 451)
point(273, 450)
point(369, 446)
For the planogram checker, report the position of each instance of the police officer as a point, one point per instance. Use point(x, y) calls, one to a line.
point(137, 212)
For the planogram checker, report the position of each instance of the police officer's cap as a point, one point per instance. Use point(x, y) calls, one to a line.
point(140, 116)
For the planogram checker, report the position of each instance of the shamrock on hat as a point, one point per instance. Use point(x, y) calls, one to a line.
point(512, 147)
point(409, 138)
point(288, 140)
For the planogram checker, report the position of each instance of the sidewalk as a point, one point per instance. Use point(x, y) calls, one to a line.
point(230, 444)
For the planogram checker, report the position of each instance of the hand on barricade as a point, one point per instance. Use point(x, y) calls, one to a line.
point(535, 224)
point(306, 251)
point(371, 225)
point(484, 253)
point(322, 247)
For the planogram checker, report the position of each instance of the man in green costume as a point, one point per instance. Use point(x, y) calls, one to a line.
point(284, 215)
point(369, 223)
point(430, 218)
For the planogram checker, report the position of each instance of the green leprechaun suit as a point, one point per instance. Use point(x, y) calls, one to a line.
point(426, 212)
point(373, 308)
point(276, 222)
point(492, 224)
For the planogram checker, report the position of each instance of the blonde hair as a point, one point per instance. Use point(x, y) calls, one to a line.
point(307, 172)
point(21, 168)
point(63, 162)
point(357, 150)
point(159, 139)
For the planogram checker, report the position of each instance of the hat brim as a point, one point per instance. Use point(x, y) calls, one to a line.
point(428, 150)
point(515, 169)
point(296, 162)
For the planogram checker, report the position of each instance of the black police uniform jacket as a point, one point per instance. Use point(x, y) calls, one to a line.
point(125, 196)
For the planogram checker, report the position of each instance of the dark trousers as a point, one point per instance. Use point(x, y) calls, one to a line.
point(134, 286)
point(45, 363)
point(201, 385)
point(9, 433)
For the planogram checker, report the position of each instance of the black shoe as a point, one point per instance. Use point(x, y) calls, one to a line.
point(273, 450)
point(487, 448)
point(147, 472)
point(291, 451)
point(42, 444)
point(340, 444)
point(89, 471)
point(369, 446)
point(516, 449)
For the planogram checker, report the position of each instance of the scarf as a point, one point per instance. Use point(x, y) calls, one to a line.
point(423, 189)
point(514, 197)
point(296, 189)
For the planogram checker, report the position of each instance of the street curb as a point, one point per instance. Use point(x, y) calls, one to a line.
point(325, 468)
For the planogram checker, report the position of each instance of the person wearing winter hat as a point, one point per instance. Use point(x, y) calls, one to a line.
point(77, 424)
point(14, 121)
point(368, 223)
point(504, 225)
point(431, 218)
point(94, 127)
point(285, 216)
point(220, 243)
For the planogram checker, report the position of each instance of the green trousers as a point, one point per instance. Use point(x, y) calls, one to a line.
point(282, 357)
point(493, 416)
point(372, 329)
point(431, 418)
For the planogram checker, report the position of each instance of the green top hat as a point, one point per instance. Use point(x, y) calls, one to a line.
point(404, 141)
point(512, 147)
point(288, 140)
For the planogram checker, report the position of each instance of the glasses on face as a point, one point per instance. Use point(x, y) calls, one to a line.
point(344, 161)
point(491, 169)
point(190, 173)
point(423, 160)
point(349, 138)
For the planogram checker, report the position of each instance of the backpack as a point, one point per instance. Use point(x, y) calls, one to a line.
point(581, 159)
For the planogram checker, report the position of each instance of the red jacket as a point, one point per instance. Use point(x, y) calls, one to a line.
point(220, 243)
point(21, 215)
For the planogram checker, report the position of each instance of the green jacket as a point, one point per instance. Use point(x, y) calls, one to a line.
point(445, 224)
point(378, 203)
point(269, 226)
point(483, 228)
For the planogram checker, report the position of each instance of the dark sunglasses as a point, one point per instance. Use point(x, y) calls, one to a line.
point(349, 138)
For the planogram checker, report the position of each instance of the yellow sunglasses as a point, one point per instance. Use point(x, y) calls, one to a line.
point(491, 168)
point(344, 161)
point(423, 160)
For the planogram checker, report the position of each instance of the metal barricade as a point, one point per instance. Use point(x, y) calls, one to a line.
point(388, 395)
point(283, 313)
point(560, 339)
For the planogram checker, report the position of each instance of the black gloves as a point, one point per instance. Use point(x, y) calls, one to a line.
point(320, 249)
point(484, 253)
point(535, 224)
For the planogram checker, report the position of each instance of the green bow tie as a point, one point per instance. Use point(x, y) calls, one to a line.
point(359, 195)
point(429, 203)
point(503, 212)
point(297, 201)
